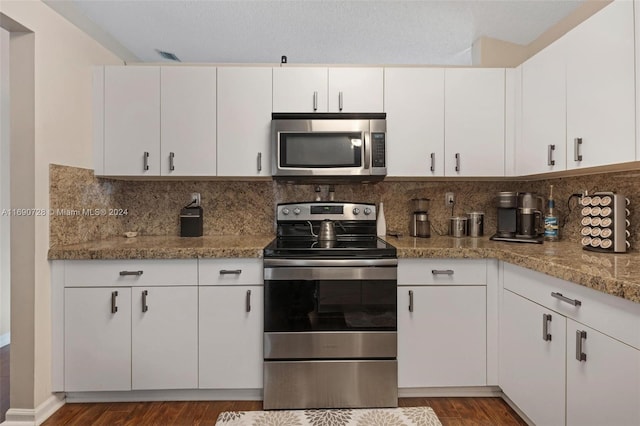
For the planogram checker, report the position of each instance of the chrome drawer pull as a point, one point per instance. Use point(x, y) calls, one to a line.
point(145, 161)
point(433, 162)
point(550, 160)
point(580, 337)
point(546, 319)
point(442, 271)
point(577, 143)
point(410, 300)
point(136, 273)
point(230, 271)
point(574, 302)
point(248, 302)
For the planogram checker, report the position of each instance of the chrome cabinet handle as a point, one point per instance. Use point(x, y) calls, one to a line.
point(546, 319)
point(574, 302)
point(410, 300)
point(457, 161)
point(145, 161)
point(433, 162)
point(248, 301)
point(315, 101)
point(114, 307)
point(259, 161)
point(442, 271)
point(136, 273)
point(340, 103)
point(171, 165)
point(230, 271)
point(580, 337)
point(550, 160)
point(577, 143)
point(145, 308)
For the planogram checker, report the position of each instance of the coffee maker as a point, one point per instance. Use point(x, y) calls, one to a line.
point(420, 225)
point(519, 217)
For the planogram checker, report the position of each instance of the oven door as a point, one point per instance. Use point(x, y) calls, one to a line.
point(325, 312)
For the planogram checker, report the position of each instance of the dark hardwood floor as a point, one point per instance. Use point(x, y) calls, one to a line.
point(451, 411)
point(4, 381)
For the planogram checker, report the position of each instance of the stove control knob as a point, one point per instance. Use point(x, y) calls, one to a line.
point(296, 211)
point(367, 211)
point(356, 211)
point(285, 211)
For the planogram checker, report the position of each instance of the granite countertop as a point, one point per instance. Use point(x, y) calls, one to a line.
point(164, 247)
point(615, 274)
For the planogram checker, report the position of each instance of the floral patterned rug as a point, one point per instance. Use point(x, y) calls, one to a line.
point(405, 416)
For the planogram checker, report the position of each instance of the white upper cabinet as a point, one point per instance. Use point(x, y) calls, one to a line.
point(474, 118)
point(188, 121)
point(541, 147)
point(356, 90)
point(158, 121)
point(300, 89)
point(414, 103)
point(601, 88)
point(131, 121)
point(244, 121)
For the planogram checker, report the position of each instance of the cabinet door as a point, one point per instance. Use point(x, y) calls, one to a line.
point(414, 103)
point(544, 113)
point(165, 338)
point(474, 121)
point(443, 341)
point(97, 339)
point(231, 337)
point(132, 121)
point(300, 89)
point(604, 389)
point(188, 121)
point(356, 90)
point(601, 88)
point(532, 369)
point(244, 121)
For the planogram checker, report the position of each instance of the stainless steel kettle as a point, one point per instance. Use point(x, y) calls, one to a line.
point(327, 230)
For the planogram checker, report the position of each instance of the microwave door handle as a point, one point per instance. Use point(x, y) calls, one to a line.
point(366, 152)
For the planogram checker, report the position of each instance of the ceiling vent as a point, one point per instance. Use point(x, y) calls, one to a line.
point(168, 55)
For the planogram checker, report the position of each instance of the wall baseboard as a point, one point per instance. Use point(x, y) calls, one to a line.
point(34, 417)
point(5, 339)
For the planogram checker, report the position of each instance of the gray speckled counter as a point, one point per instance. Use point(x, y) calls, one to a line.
point(616, 274)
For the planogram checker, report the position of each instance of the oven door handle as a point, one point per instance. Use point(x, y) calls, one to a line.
point(300, 273)
point(279, 263)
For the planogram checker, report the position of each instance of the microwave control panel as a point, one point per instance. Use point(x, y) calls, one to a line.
point(378, 147)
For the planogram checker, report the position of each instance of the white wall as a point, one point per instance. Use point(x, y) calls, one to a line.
point(64, 56)
point(5, 287)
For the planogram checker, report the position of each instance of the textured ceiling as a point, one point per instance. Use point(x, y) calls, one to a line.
point(313, 31)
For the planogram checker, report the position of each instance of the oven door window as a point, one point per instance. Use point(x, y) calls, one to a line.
point(330, 305)
point(321, 150)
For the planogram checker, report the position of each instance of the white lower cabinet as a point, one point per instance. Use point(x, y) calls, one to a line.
point(604, 388)
point(231, 337)
point(164, 338)
point(441, 336)
point(579, 375)
point(532, 358)
point(97, 339)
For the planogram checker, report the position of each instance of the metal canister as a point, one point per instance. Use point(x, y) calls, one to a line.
point(475, 226)
point(458, 226)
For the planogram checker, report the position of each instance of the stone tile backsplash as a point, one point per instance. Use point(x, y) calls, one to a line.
point(247, 207)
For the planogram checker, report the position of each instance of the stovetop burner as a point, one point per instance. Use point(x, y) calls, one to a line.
point(356, 232)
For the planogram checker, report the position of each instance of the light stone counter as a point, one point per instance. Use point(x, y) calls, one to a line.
point(616, 274)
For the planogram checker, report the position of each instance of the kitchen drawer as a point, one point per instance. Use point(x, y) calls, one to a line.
point(442, 272)
point(611, 315)
point(127, 273)
point(231, 271)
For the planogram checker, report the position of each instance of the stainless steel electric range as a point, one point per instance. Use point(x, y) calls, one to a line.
point(330, 309)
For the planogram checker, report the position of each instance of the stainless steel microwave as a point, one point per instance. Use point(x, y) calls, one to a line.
point(329, 147)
